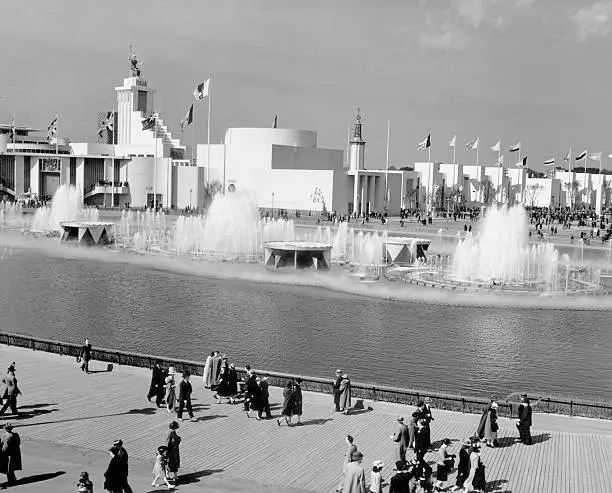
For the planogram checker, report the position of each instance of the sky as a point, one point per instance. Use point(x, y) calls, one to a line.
point(534, 71)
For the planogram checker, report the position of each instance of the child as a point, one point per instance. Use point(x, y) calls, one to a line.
point(376, 479)
point(84, 485)
point(444, 465)
point(159, 470)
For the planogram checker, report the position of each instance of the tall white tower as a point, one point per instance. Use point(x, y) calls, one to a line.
point(357, 146)
point(134, 101)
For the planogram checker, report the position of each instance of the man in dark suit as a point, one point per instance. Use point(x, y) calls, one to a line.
point(336, 390)
point(524, 421)
point(185, 397)
point(157, 387)
point(10, 391)
point(85, 356)
point(123, 456)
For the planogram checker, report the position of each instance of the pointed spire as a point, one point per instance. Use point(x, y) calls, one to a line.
point(357, 135)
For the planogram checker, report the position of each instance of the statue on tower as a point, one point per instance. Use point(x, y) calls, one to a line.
point(135, 64)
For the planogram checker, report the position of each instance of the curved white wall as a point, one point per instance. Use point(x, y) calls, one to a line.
point(269, 136)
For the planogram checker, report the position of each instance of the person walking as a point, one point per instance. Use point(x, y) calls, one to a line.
point(425, 410)
point(351, 448)
point(84, 484)
point(161, 467)
point(10, 391)
point(297, 387)
point(250, 382)
point(524, 421)
point(463, 467)
point(265, 396)
point(401, 438)
point(253, 401)
point(233, 382)
point(336, 389)
point(476, 479)
point(288, 404)
point(345, 394)
point(444, 465)
point(354, 475)
point(412, 427)
point(85, 356)
point(173, 442)
point(156, 389)
point(207, 375)
point(184, 397)
point(224, 388)
point(170, 395)
point(113, 477)
point(400, 481)
point(487, 427)
point(10, 453)
point(123, 455)
point(376, 479)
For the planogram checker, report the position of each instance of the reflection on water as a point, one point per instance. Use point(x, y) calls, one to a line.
point(307, 330)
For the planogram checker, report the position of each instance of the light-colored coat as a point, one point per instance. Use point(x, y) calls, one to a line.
point(354, 478)
point(345, 394)
point(207, 376)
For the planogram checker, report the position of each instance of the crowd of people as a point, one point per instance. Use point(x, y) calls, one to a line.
point(411, 440)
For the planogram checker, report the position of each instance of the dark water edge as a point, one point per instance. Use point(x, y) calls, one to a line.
point(144, 307)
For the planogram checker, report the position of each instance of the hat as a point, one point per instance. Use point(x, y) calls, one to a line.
point(171, 370)
point(173, 426)
point(446, 441)
point(399, 465)
point(84, 475)
point(118, 443)
point(427, 399)
point(401, 419)
point(494, 405)
point(338, 371)
point(232, 366)
point(162, 449)
point(378, 463)
point(523, 396)
point(356, 455)
point(8, 426)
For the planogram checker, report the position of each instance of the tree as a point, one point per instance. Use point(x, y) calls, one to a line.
point(531, 194)
point(607, 192)
point(409, 198)
point(572, 190)
point(487, 191)
point(455, 196)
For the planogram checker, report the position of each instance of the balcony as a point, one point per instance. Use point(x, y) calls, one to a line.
point(102, 187)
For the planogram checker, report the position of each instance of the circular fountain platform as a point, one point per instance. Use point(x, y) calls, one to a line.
point(90, 233)
point(298, 254)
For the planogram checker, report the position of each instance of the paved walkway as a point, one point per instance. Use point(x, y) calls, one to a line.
point(71, 419)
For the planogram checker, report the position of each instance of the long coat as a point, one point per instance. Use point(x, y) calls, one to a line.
point(174, 456)
point(9, 386)
point(10, 452)
point(354, 478)
point(207, 376)
point(288, 402)
point(298, 400)
point(170, 395)
point(233, 381)
point(524, 412)
point(114, 479)
point(401, 437)
point(345, 394)
point(157, 380)
point(223, 388)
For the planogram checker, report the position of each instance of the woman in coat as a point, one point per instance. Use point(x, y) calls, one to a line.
point(487, 428)
point(297, 387)
point(173, 453)
point(170, 395)
point(207, 375)
point(345, 394)
point(476, 479)
point(114, 479)
point(223, 388)
point(288, 404)
point(233, 381)
point(10, 453)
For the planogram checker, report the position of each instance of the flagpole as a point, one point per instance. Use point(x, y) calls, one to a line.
point(586, 157)
point(477, 146)
point(113, 162)
point(57, 136)
point(387, 166)
point(193, 133)
point(208, 139)
point(454, 150)
point(348, 140)
point(155, 166)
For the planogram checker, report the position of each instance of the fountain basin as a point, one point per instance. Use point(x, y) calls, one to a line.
point(88, 233)
point(298, 254)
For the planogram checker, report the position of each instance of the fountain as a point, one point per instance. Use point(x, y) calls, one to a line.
point(66, 205)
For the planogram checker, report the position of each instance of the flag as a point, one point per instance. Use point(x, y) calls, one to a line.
point(473, 144)
point(453, 141)
point(515, 147)
point(188, 120)
point(497, 147)
point(549, 162)
point(582, 155)
point(425, 144)
point(568, 156)
point(522, 163)
point(275, 124)
point(52, 129)
point(107, 124)
point(149, 122)
point(201, 91)
point(13, 129)
point(595, 156)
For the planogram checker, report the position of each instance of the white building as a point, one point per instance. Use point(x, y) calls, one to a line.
point(543, 192)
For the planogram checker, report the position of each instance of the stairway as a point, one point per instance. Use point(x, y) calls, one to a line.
point(164, 133)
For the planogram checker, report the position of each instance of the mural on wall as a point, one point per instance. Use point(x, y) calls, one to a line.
point(50, 165)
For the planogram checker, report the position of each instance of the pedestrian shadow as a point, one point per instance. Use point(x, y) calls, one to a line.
point(33, 413)
point(36, 478)
point(494, 486)
point(200, 407)
point(147, 411)
point(356, 412)
point(438, 443)
point(212, 416)
point(318, 421)
point(542, 437)
point(38, 406)
point(505, 442)
point(194, 477)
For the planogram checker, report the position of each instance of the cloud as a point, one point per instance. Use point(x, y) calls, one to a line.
point(594, 20)
point(441, 34)
point(474, 11)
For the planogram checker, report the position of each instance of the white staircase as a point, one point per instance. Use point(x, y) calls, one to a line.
point(164, 133)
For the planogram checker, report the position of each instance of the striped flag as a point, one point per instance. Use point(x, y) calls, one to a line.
point(13, 129)
point(595, 156)
point(149, 122)
point(549, 162)
point(425, 144)
point(582, 155)
point(453, 141)
point(107, 124)
point(275, 124)
point(188, 120)
point(201, 91)
point(52, 129)
point(515, 147)
point(472, 144)
point(522, 163)
point(497, 147)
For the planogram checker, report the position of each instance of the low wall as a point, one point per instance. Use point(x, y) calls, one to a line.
point(360, 390)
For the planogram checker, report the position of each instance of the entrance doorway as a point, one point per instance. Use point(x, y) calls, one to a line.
point(49, 184)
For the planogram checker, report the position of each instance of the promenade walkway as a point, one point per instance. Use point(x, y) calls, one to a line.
point(70, 420)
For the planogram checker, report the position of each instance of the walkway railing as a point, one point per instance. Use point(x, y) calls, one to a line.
point(360, 391)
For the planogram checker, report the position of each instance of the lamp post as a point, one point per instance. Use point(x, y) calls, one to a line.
point(272, 205)
point(189, 198)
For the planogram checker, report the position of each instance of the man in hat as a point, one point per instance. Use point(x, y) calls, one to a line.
point(85, 356)
point(185, 397)
point(123, 457)
point(157, 387)
point(336, 389)
point(354, 475)
point(400, 482)
point(264, 394)
point(10, 391)
point(401, 438)
point(463, 467)
point(10, 453)
point(524, 421)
